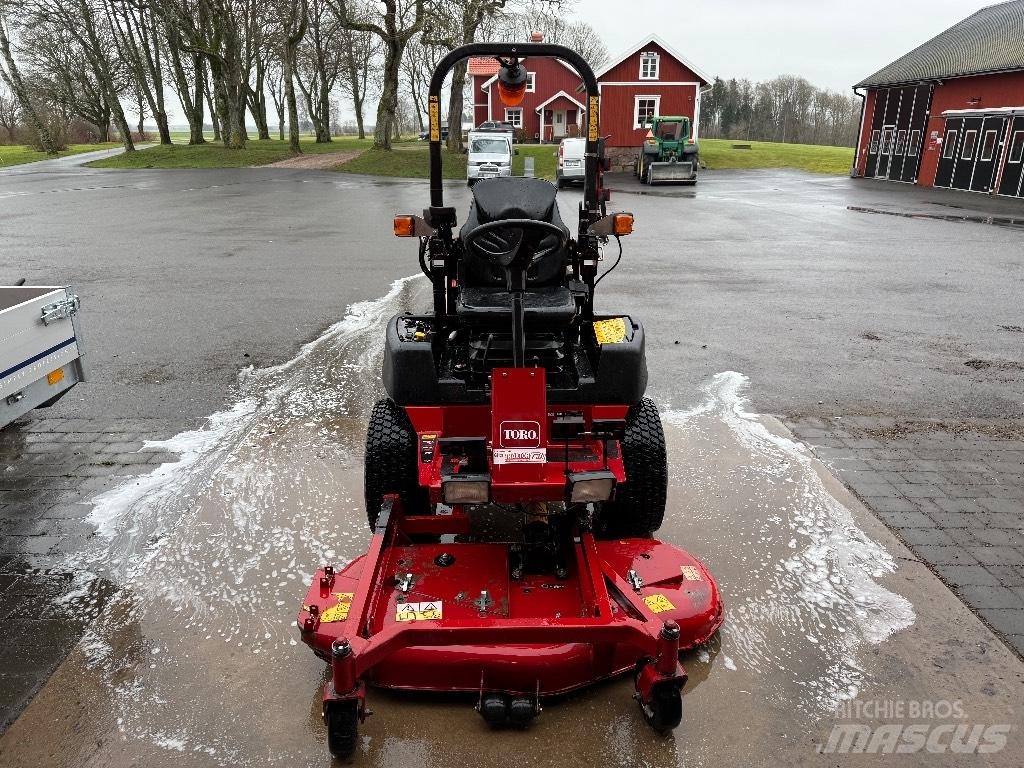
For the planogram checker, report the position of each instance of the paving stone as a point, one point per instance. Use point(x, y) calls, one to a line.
point(995, 555)
point(1009, 621)
point(1008, 575)
point(1004, 506)
point(919, 491)
point(932, 536)
point(974, 575)
point(945, 555)
point(991, 597)
point(893, 504)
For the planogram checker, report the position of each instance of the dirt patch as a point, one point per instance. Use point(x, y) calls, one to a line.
point(869, 336)
point(1011, 328)
point(318, 162)
point(999, 365)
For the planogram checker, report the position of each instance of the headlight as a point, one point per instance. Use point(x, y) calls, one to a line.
point(468, 489)
point(585, 487)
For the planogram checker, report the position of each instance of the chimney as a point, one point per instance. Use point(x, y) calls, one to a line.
point(536, 37)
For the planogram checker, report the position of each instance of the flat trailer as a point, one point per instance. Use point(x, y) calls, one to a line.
point(40, 348)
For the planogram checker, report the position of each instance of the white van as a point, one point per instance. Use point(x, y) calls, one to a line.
point(570, 161)
point(489, 155)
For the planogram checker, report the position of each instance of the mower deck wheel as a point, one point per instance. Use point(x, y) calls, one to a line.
point(342, 728)
point(665, 709)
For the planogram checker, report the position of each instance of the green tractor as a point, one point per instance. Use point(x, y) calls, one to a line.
point(669, 152)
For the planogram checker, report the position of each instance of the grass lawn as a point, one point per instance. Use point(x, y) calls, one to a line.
point(411, 160)
point(719, 153)
point(19, 154)
point(215, 155)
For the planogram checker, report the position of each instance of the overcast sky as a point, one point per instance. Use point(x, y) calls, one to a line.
point(832, 44)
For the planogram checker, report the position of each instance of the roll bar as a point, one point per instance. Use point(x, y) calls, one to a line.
point(591, 203)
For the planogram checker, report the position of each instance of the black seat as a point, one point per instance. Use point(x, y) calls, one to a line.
point(484, 294)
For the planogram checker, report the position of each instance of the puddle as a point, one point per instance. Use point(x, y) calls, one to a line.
point(196, 660)
point(998, 221)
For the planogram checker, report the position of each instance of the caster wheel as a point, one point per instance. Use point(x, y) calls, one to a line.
point(342, 728)
point(665, 709)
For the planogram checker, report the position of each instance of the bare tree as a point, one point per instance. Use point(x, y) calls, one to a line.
point(140, 45)
point(292, 19)
point(276, 86)
point(10, 113)
point(395, 25)
point(360, 56)
point(11, 77)
point(319, 66)
point(189, 71)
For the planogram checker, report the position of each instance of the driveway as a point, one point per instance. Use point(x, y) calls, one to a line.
point(787, 322)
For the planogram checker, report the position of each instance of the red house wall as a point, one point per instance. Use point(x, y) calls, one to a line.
point(865, 131)
point(550, 77)
point(617, 108)
point(1005, 90)
point(479, 100)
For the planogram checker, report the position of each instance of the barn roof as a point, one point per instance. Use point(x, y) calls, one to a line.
point(992, 40)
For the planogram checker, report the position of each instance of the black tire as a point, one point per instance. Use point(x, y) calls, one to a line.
point(665, 709)
point(639, 505)
point(342, 729)
point(560, 182)
point(391, 461)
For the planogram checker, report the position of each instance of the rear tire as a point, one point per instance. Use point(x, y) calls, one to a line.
point(342, 729)
point(639, 506)
point(391, 461)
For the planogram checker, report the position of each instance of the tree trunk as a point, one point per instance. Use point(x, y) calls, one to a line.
point(324, 134)
point(214, 119)
point(293, 107)
point(12, 77)
point(387, 108)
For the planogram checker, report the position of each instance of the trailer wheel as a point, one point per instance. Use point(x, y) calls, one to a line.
point(391, 461)
point(639, 505)
point(342, 728)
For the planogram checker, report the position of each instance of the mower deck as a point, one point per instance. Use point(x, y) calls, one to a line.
point(452, 617)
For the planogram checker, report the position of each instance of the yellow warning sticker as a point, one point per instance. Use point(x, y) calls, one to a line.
point(690, 572)
point(611, 331)
point(593, 119)
point(429, 611)
point(434, 110)
point(340, 611)
point(658, 603)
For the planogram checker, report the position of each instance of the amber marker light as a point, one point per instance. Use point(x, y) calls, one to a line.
point(405, 226)
point(623, 224)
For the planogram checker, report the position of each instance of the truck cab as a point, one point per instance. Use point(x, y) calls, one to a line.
point(489, 154)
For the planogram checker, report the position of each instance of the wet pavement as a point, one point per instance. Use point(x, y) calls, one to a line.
point(194, 569)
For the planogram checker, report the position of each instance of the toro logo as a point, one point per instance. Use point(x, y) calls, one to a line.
point(519, 434)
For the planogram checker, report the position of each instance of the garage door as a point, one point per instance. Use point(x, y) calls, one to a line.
point(897, 128)
point(968, 152)
point(950, 151)
point(990, 152)
point(1012, 183)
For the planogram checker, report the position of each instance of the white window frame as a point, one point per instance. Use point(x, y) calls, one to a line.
point(509, 112)
point(974, 144)
point(949, 144)
point(1016, 148)
point(647, 56)
point(636, 110)
point(876, 138)
point(915, 143)
point(531, 82)
point(986, 148)
point(901, 141)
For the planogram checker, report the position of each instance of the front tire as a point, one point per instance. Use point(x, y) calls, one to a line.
point(391, 461)
point(638, 509)
point(342, 729)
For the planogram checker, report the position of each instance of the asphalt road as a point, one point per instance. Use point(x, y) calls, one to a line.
point(188, 276)
point(836, 299)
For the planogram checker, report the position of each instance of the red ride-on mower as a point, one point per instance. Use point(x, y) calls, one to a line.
point(515, 472)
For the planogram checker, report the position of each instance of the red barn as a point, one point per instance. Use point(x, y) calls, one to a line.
point(951, 112)
point(648, 79)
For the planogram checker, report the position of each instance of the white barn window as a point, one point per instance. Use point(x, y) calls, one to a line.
point(531, 83)
point(648, 66)
point(645, 109)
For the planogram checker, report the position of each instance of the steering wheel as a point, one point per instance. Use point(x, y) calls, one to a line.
point(501, 241)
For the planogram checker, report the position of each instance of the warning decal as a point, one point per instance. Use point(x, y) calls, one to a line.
point(611, 331)
point(338, 612)
point(690, 572)
point(418, 611)
point(658, 603)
